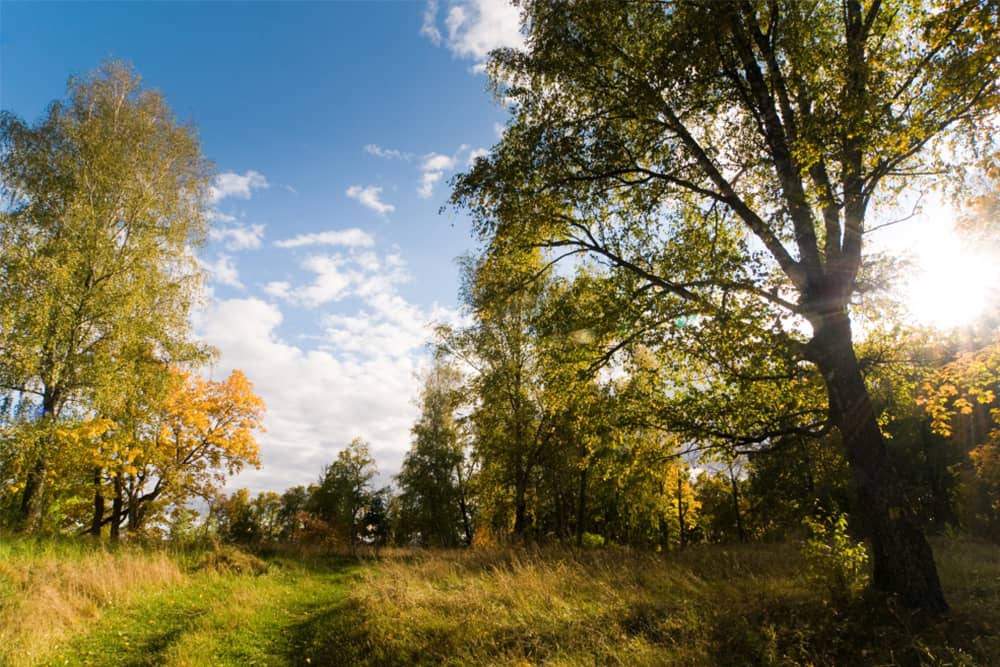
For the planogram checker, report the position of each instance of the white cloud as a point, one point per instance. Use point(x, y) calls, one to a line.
point(279, 289)
point(317, 400)
point(338, 276)
point(433, 167)
point(387, 153)
point(218, 216)
point(352, 238)
point(474, 28)
point(429, 27)
point(369, 198)
point(437, 162)
point(476, 154)
point(223, 271)
point(359, 382)
point(238, 236)
point(427, 181)
point(231, 184)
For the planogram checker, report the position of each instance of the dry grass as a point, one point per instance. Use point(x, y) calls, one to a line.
point(706, 606)
point(49, 590)
point(557, 606)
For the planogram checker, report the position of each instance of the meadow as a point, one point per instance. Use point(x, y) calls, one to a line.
point(77, 603)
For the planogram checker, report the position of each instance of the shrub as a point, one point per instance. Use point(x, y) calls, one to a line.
point(834, 561)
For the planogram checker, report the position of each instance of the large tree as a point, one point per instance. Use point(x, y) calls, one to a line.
point(726, 156)
point(104, 200)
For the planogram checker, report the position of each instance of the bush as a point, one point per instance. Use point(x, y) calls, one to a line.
point(834, 561)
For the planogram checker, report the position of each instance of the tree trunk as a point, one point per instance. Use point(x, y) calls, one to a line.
point(520, 506)
point(30, 514)
point(116, 509)
point(463, 506)
point(736, 504)
point(680, 510)
point(98, 519)
point(581, 508)
point(902, 558)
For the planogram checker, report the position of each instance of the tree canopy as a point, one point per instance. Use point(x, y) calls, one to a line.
point(725, 158)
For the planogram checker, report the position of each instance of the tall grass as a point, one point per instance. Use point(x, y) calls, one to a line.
point(748, 605)
point(705, 606)
point(50, 588)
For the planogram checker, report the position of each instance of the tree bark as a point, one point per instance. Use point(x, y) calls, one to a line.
point(463, 506)
point(902, 558)
point(736, 504)
point(30, 514)
point(680, 510)
point(520, 510)
point(581, 508)
point(98, 519)
point(116, 509)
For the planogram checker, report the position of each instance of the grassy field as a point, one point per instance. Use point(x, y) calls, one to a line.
point(79, 604)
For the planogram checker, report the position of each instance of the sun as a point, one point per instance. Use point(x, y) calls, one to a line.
point(953, 283)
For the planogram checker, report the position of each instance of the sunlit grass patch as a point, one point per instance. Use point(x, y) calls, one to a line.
point(49, 588)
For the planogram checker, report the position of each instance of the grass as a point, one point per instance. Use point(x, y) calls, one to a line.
point(705, 606)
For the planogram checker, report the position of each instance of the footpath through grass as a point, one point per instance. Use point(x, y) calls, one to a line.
point(64, 604)
point(219, 619)
point(706, 606)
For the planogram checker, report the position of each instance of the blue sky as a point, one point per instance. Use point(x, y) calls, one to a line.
point(334, 128)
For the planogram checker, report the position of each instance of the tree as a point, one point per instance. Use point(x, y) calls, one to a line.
point(726, 155)
point(181, 449)
point(104, 199)
point(963, 396)
point(510, 423)
point(433, 499)
point(344, 492)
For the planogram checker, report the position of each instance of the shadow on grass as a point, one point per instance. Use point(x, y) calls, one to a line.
point(331, 635)
point(873, 631)
point(130, 649)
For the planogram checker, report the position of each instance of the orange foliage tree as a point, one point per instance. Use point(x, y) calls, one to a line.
point(202, 432)
point(964, 394)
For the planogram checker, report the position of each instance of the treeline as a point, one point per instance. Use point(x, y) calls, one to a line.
point(103, 424)
point(531, 431)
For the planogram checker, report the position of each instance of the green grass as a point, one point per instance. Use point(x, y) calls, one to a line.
point(217, 619)
point(706, 606)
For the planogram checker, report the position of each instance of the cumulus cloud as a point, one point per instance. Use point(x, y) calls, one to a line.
point(429, 27)
point(238, 236)
point(357, 381)
point(387, 153)
point(476, 154)
point(231, 184)
point(433, 167)
point(338, 276)
point(218, 216)
point(473, 28)
point(317, 400)
point(223, 271)
point(427, 180)
point(369, 197)
point(352, 238)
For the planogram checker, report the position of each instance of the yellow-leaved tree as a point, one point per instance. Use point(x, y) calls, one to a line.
point(183, 448)
point(962, 401)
